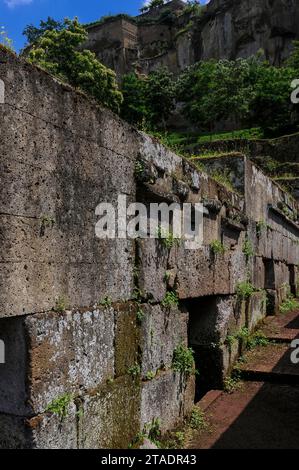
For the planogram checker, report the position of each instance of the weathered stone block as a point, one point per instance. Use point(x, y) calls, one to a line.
point(127, 337)
point(257, 309)
point(282, 275)
point(152, 268)
point(51, 354)
point(162, 330)
point(31, 287)
point(46, 431)
point(259, 275)
point(109, 418)
point(169, 397)
point(239, 269)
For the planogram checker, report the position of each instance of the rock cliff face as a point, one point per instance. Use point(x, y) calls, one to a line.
point(226, 29)
point(234, 28)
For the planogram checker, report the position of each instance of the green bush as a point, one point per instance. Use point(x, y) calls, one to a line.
point(183, 360)
point(134, 370)
point(217, 247)
point(245, 290)
point(198, 420)
point(248, 248)
point(60, 405)
point(58, 52)
point(288, 305)
point(170, 299)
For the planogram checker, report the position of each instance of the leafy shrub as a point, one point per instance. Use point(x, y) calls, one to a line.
point(58, 52)
point(217, 247)
point(170, 299)
point(248, 248)
point(183, 360)
point(245, 290)
point(198, 420)
point(288, 305)
point(60, 405)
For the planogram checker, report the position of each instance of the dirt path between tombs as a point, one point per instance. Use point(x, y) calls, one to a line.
point(264, 412)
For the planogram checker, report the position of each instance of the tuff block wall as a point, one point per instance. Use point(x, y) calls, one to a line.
point(89, 337)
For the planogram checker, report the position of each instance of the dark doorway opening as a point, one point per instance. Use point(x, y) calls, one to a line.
point(204, 340)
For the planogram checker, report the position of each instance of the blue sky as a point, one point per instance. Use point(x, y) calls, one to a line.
point(16, 14)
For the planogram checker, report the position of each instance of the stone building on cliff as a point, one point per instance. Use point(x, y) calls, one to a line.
point(176, 36)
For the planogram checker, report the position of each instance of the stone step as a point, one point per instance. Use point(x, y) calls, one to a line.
point(270, 364)
point(282, 328)
point(208, 399)
point(256, 416)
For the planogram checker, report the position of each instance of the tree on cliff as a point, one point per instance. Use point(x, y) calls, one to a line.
point(5, 41)
point(245, 91)
point(148, 101)
point(160, 96)
point(213, 91)
point(271, 106)
point(33, 33)
point(152, 4)
point(61, 54)
point(134, 109)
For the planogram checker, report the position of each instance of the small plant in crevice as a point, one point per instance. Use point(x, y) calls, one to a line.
point(193, 424)
point(167, 239)
point(248, 248)
point(174, 440)
point(258, 338)
point(134, 370)
point(46, 222)
point(138, 440)
point(139, 169)
point(217, 247)
point(198, 420)
point(289, 304)
point(224, 179)
point(106, 302)
point(138, 295)
point(167, 276)
point(140, 315)
point(150, 375)
point(261, 227)
point(151, 431)
point(183, 360)
point(232, 384)
point(290, 214)
point(245, 290)
point(110, 381)
point(60, 406)
point(60, 305)
point(249, 340)
point(170, 300)
point(243, 334)
point(230, 341)
point(136, 273)
point(154, 431)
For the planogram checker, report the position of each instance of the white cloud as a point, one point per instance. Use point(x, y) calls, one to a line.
point(15, 3)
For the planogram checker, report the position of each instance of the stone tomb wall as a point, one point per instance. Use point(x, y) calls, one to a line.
point(89, 338)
